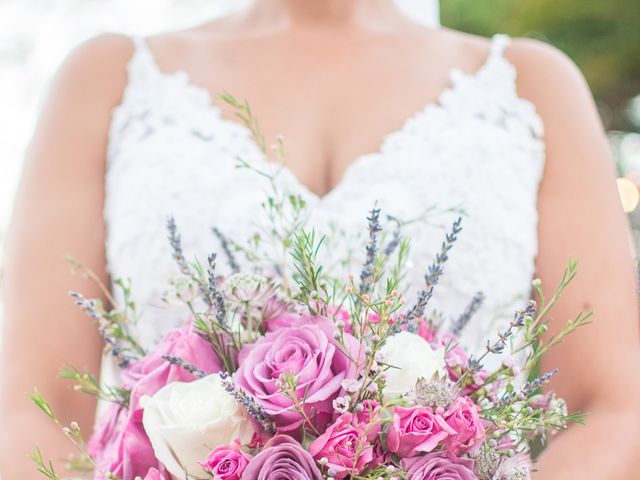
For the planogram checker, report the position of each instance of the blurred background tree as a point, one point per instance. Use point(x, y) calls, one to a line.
point(601, 36)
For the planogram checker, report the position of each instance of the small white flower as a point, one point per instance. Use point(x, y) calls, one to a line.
point(517, 467)
point(341, 404)
point(411, 357)
point(351, 385)
point(248, 288)
point(182, 290)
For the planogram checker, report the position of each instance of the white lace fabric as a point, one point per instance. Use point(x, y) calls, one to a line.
point(479, 148)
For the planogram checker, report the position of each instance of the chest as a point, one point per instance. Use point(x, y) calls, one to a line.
point(475, 153)
point(330, 101)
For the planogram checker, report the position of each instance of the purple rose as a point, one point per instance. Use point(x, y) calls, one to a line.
point(463, 417)
point(282, 459)
point(438, 466)
point(345, 446)
point(309, 353)
point(416, 430)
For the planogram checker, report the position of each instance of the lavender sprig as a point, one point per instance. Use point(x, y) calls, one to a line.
point(366, 276)
point(248, 402)
point(112, 330)
point(179, 362)
point(175, 240)
point(435, 272)
point(395, 239)
point(215, 297)
point(528, 389)
point(463, 320)
point(519, 320)
point(226, 248)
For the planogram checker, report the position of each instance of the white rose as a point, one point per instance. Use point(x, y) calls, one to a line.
point(411, 358)
point(185, 421)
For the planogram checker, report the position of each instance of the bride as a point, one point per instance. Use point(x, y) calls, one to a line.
point(372, 106)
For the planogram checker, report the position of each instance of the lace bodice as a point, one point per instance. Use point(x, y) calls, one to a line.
point(478, 149)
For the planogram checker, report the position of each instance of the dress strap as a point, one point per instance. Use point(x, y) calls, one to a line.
point(142, 58)
point(499, 42)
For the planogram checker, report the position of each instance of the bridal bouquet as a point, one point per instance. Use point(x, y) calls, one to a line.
point(281, 371)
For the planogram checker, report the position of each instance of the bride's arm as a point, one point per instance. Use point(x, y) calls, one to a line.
point(58, 212)
point(580, 217)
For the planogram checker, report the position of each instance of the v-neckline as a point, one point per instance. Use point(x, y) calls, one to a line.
point(141, 46)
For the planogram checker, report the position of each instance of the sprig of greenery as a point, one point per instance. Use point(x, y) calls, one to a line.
point(115, 321)
point(72, 432)
point(313, 290)
point(288, 385)
point(382, 473)
point(44, 467)
point(536, 327)
point(243, 111)
point(87, 383)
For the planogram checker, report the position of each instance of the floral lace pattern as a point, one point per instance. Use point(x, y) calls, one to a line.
point(478, 149)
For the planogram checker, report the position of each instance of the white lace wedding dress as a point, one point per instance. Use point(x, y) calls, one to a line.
point(478, 148)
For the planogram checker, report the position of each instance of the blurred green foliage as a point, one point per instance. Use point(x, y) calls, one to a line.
point(601, 36)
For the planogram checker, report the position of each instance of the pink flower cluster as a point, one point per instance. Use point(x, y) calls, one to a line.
point(119, 444)
point(302, 373)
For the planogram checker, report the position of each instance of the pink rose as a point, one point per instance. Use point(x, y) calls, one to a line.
point(335, 315)
point(283, 320)
point(344, 446)
point(369, 419)
point(120, 445)
point(426, 331)
point(151, 373)
point(226, 462)
point(153, 474)
point(374, 318)
point(456, 359)
point(380, 455)
point(272, 308)
point(293, 319)
point(416, 430)
point(338, 313)
point(463, 417)
point(309, 353)
point(478, 380)
point(103, 444)
point(438, 466)
point(455, 355)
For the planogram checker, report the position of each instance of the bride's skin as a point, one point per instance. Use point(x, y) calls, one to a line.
point(312, 72)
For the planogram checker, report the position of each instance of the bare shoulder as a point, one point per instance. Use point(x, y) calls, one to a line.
point(555, 85)
point(544, 70)
point(96, 67)
point(80, 99)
